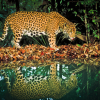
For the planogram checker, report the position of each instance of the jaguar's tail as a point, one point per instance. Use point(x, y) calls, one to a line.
point(5, 30)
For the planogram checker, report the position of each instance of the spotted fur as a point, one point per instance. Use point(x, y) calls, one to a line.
point(36, 24)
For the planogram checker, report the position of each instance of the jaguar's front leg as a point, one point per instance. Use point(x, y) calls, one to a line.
point(51, 30)
point(17, 38)
point(52, 41)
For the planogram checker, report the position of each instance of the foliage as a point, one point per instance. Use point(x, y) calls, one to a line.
point(89, 15)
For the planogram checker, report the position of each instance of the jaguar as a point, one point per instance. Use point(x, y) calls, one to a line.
point(37, 24)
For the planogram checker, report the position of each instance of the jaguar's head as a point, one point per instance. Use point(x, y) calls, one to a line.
point(69, 31)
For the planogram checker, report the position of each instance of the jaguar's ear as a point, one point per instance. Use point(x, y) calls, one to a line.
point(64, 25)
point(75, 24)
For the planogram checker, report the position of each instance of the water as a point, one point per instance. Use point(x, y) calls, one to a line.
point(51, 80)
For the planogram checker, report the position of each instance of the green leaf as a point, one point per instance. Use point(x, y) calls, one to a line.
point(68, 9)
point(67, 3)
point(94, 32)
point(84, 11)
point(96, 36)
point(82, 2)
point(77, 4)
point(88, 30)
point(80, 10)
point(78, 32)
point(71, 8)
point(79, 64)
point(61, 2)
point(75, 12)
point(93, 20)
point(78, 45)
point(86, 16)
point(91, 11)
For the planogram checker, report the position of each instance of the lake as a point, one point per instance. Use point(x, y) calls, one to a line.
point(66, 79)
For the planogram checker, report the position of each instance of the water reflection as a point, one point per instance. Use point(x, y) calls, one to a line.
point(29, 81)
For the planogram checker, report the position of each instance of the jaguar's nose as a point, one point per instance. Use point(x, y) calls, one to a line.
point(71, 38)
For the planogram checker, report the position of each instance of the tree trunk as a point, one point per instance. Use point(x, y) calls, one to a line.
point(53, 5)
point(17, 5)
